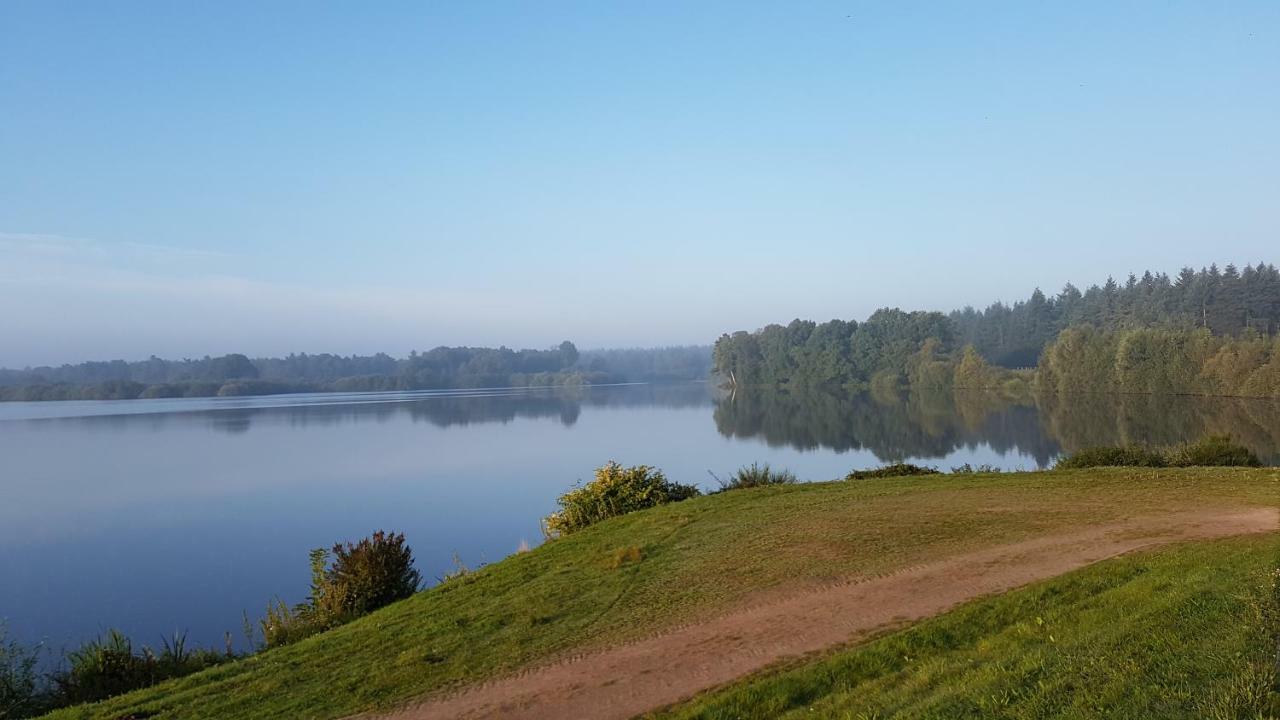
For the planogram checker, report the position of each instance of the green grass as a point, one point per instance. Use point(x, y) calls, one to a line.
point(1186, 632)
point(694, 558)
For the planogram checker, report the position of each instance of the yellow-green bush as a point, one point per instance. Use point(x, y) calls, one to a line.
point(614, 491)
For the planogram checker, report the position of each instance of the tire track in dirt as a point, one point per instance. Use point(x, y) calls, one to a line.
point(631, 678)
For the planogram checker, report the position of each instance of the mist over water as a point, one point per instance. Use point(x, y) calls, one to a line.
point(161, 515)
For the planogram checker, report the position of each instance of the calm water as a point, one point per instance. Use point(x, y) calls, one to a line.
point(162, 515)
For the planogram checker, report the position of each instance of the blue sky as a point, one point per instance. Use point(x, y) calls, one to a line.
point(189, 178)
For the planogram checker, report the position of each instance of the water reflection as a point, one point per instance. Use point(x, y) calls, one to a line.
point(934, 425)
point(442, 409)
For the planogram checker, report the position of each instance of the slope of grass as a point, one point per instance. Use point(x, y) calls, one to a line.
point(1186, 632)
point(693, 558)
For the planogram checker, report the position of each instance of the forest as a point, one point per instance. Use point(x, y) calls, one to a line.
point(1205, 332)
point(438, 368)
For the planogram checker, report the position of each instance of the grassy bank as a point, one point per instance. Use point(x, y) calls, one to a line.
point(1186, 632)
point(627, 577)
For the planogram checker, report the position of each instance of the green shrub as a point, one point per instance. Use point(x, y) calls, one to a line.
point(20, 694)
point(284, 625)
point(1213, 451)
point(104, 667)
point(364, 576)
point(756, 476)
point(1128, 456)
point(108, 666)
point(614, 491)
point(894, 470)
point(371, 574)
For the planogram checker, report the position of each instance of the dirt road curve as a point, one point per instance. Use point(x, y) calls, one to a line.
point(623, 681)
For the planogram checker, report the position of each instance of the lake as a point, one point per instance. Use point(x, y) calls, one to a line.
point(159, 515)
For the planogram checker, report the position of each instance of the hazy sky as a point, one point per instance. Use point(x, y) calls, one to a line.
point(191, 178)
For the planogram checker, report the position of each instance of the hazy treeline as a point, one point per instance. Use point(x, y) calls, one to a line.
point(439, 368)
point(1226, 302)
point(889, 349)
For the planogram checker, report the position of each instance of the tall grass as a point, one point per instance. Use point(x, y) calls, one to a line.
point(756, 475)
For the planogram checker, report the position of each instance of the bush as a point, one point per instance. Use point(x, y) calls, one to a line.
point(1213, 451)
point(614, 491)
point(105, 667)
point(370, 574)
point(20, 694)
point(1129, 456)
point(756, 476)
point(894, 470)
point(364, 576)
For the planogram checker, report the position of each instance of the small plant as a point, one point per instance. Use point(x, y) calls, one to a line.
point(104, 667)
point(1213, 451)
point(614, 491)
point(20, 694)
point(459, 571)
point(967, 469)
point(756, 475)
point(284, 625)
point(894, 470)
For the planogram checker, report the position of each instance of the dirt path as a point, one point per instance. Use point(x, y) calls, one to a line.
point(629, 679)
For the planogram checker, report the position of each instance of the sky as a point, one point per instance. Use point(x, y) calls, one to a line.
point(182, 179)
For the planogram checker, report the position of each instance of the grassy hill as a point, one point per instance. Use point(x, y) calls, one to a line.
point(1184, 632)
point(628, 577)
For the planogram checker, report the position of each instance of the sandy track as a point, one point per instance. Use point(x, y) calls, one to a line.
point(629, 679)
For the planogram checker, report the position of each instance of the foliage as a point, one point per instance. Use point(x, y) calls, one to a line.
point(973, 372)
point(1128, 456)
point(20, 691)
point(363, 577)
point(108, 666)
point(1152, 334)
point(441, 367)
point(967, 469)
point(372, 573)
point(889, 471)
point(1185, 632)
point(614, 491)
point(1158, 361)
point(283, 625)
point(1213, 451)
point(756, 475)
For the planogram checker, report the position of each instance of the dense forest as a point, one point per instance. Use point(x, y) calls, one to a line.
point(1204, 332)
point(439, 368)
point(1225, 302)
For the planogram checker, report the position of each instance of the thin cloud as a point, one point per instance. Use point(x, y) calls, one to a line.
point(66, 247)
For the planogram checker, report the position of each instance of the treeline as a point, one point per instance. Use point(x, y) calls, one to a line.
point(891, 348)
point(439, 368)
point(1226, 315)
point(1229, 301)
point(1158, 361)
